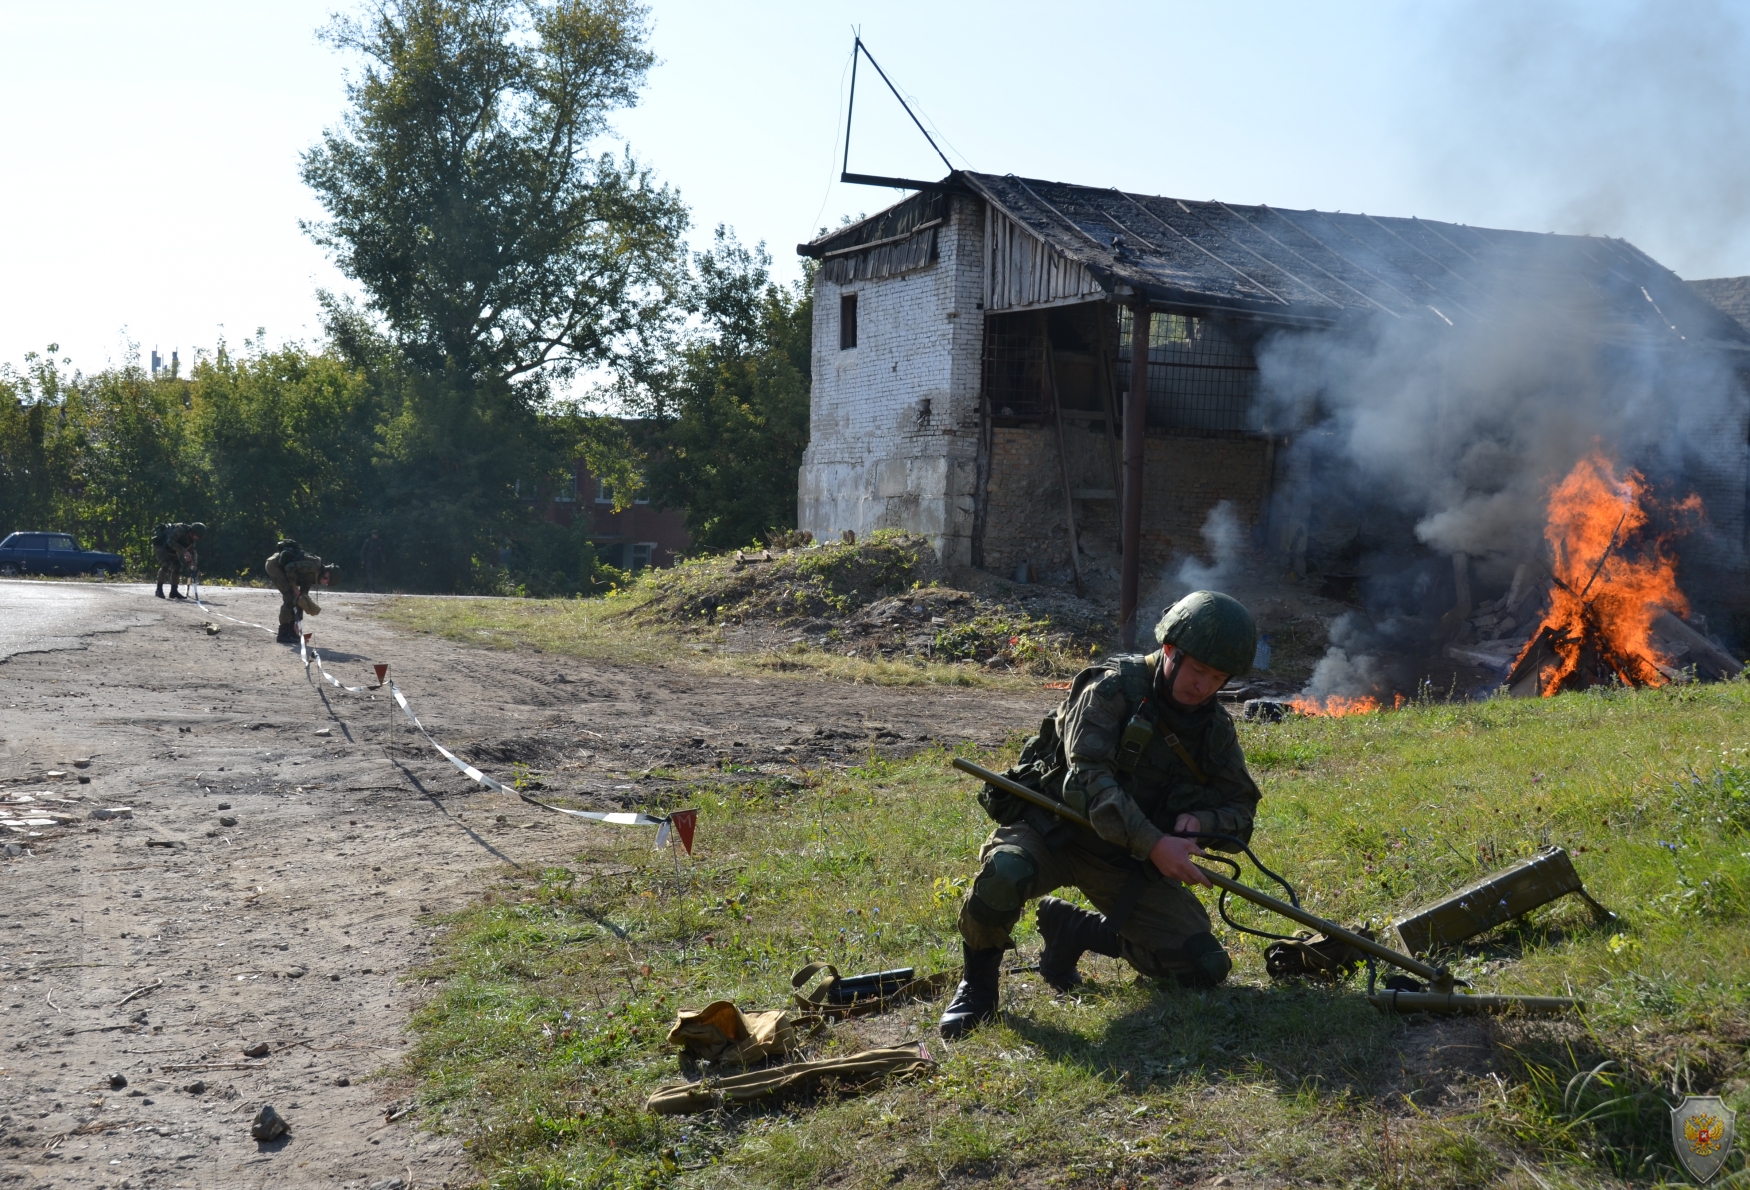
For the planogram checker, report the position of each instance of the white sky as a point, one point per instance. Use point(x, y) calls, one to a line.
point(149, 159)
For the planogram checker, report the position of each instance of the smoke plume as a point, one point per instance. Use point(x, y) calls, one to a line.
point(1411, 442)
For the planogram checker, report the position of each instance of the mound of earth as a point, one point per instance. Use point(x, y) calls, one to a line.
point(885, 596)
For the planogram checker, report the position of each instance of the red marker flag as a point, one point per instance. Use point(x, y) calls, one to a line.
point(382, 668)
point(685, 822)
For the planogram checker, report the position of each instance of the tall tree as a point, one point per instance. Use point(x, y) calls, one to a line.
point(463, 196)
point(729, 422)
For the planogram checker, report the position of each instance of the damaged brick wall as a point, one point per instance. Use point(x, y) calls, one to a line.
point(1184, 477)
point(893, 433)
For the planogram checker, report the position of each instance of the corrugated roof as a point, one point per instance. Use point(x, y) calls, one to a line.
point(1325, 266)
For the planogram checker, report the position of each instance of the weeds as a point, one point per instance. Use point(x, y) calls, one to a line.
point(545, 1032)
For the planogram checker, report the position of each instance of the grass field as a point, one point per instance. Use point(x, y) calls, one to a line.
point(545, 1028)
point(610, 629)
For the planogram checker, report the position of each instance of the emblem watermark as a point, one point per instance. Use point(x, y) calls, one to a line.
point(1702, 1128)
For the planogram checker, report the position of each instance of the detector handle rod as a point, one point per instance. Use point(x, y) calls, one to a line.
point(1439, 977)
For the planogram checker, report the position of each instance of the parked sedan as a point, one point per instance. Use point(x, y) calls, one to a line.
point(53, 553)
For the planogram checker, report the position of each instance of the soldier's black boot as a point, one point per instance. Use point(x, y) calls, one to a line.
point(975, 1000)
point(288, 635)
point(174, 593)
point(160, 591)
point(1069, 933)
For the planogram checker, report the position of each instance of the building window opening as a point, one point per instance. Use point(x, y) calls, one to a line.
point(1202, 373)
point(847, 321)
point(638, 554)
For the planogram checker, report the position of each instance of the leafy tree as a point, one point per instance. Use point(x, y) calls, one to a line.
point(283, 441)
point(730, 420)
point(462, 195)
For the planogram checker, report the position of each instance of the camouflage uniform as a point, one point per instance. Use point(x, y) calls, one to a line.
point(292, 571)
point(1163, 929)
point(178, 546)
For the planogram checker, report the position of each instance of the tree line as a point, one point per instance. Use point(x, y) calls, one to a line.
point(505, 267)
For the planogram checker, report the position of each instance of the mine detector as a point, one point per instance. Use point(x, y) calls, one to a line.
point(1464, 914)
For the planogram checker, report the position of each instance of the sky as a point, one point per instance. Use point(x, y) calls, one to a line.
point(149, 162)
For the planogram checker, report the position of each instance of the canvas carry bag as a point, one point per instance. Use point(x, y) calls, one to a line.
point(850, 1072)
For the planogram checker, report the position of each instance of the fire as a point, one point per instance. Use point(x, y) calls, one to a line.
point(1605, 599)
point(1337, 705)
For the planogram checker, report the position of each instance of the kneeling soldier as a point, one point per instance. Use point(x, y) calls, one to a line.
point(1140, 747)
point(296, 574)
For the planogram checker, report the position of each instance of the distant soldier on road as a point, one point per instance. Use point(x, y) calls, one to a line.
point(296, 574)
point(371, 558)
point(175, 547)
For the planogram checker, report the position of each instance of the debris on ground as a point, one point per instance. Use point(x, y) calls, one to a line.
point(269, 1125)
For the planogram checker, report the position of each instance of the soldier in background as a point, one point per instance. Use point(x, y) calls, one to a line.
point(175, 546)
point(296, 574)
point(371, 558)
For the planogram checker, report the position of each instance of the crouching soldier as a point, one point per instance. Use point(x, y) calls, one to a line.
point(1140, 748)
point(296, 574)
point(175, 546)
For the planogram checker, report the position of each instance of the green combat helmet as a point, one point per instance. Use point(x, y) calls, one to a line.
point(1214, 628)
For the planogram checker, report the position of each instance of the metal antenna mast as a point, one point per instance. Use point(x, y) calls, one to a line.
point(858, 50)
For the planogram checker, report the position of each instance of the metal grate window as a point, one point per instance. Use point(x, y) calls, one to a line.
point(1200, 376)
point(1014, 366)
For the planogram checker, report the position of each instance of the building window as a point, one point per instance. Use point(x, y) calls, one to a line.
point(640, 552)
point(847, 321)
point(567, 492)
point(604, 493)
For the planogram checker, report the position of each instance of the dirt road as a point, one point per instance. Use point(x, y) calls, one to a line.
point(285, 848)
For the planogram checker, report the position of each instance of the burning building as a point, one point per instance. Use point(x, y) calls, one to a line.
point(1382, 407)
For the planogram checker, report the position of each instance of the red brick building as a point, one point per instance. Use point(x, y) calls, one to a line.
point(631, 539)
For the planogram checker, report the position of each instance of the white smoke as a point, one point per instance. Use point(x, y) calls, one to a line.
point(1352, 665)
point(1224, 539)
point(1608, 117)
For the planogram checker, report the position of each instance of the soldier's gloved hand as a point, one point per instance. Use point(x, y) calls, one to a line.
point(1172, 855)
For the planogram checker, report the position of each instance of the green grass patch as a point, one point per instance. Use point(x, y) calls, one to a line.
point(916, 633)
point(545, 1030)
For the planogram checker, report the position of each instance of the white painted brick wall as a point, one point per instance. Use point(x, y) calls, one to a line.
point(870, 464)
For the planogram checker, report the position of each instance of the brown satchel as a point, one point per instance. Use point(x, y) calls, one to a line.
point(721, 1032)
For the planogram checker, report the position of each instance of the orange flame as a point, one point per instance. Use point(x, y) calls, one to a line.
point(1606, 599)
point(1336, 705)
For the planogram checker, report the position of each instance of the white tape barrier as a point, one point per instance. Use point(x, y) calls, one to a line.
point(194, 589)
point(334, 681)
point(682, 820)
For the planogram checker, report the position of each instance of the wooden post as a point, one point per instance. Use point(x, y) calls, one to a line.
point(1109, 381)
point(1135, 418)
point(1069, 498)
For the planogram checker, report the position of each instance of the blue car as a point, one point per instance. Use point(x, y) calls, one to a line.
point(54, 553)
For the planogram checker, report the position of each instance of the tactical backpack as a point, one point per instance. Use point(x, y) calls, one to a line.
point(1042, 764)
point(161, 535)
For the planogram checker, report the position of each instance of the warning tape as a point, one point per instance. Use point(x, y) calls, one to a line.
point(194, 589)
point(682, 822)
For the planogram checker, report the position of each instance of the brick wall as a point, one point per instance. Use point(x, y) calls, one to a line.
point(1183, 477)
point(893, 433)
